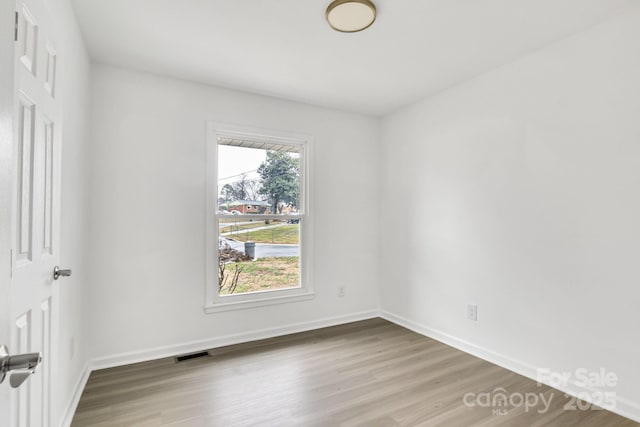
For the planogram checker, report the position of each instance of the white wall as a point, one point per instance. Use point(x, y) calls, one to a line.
point(148, 210)
point(73, 90)
point(519, 191)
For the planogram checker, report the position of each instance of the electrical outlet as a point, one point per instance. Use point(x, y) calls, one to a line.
point(472, 312)
point(342, 291)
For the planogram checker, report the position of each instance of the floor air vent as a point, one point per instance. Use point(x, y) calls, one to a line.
point(185, 357)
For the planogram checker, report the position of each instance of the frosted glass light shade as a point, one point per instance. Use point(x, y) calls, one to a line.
point(350, 16)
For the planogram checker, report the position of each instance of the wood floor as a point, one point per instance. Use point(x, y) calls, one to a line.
point(371, 373)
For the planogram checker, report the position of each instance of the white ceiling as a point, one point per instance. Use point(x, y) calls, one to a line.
point(285, 48)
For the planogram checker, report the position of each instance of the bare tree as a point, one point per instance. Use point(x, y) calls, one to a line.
point(223, 278)
point(244, 188)
point(252, 188)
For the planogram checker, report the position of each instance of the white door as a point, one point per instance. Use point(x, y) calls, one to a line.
point(36, 196)
point(6, 149)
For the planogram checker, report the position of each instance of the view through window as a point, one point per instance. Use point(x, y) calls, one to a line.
point(259, 215)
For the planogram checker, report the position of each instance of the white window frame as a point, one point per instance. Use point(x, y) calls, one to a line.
point(215, 302)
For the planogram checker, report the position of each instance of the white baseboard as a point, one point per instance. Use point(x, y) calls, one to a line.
point(75, 398)
point(200, 345)
point(625, 407)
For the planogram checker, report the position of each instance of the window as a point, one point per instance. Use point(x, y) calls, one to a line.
point(258, 224)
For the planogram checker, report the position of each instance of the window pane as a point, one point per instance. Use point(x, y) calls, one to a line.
point(258, 255)
point(258, 180)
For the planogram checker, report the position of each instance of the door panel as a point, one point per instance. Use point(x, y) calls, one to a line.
point(22, 344)
point(24, 178)
point(47, 218)
point(27, 39)
point(44, 380)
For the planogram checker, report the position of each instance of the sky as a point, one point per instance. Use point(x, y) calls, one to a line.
point(233, 161)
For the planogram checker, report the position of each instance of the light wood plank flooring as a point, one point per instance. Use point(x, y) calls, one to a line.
point(371, 373)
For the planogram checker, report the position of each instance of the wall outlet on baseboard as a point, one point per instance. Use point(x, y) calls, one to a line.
point(472, 312)
point(342, 290)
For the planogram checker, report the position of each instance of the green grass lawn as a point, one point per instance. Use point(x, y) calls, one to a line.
point(233, 228)
point(266, 274)
point(284, 234)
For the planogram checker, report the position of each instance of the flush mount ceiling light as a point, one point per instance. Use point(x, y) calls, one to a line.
point(350, 16)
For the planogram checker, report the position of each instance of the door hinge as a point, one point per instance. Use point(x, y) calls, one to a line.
point(15, 29)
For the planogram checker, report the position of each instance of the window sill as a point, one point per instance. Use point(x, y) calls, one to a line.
point(243, 305)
